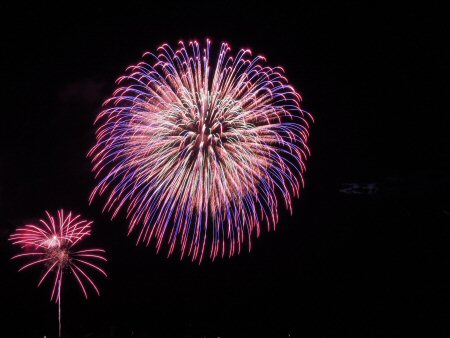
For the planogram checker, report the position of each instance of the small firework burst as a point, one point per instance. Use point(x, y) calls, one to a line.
point(51, 244)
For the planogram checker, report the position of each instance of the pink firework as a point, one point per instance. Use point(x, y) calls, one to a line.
point(51, 243)
point(194, 146)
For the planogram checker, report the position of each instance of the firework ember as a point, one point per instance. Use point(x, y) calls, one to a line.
point(197, 148)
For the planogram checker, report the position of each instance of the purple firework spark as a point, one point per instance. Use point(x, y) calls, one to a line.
point(196, 147)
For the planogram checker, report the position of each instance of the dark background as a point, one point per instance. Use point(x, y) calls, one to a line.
point(364, 253)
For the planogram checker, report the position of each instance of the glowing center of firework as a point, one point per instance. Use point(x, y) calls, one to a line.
point(59, 255)
point(209, 123)
point(52, 242)
point(208, 133)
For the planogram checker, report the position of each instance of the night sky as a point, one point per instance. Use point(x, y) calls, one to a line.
point(359, 255)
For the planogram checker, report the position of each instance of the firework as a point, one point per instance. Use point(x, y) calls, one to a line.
point(195, 147)
point(50, 244)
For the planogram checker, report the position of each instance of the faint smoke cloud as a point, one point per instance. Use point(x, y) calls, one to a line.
point(85, 91)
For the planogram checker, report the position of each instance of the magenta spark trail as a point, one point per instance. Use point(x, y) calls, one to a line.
point(197, 148)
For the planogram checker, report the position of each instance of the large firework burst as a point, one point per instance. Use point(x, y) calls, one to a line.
point(197, 147)
point(51, 243)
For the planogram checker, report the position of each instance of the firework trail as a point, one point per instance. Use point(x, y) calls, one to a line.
point(195, 146)
point(51, 244)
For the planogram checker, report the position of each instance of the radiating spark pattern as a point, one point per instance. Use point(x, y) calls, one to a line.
point(197, 148)
point(51, 244)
